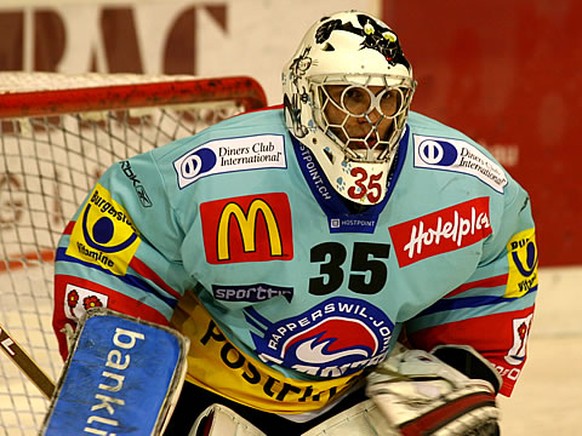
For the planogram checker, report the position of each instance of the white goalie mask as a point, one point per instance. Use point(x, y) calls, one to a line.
point(347, 94)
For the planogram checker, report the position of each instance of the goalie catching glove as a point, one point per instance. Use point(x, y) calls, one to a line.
point(411, 393)
point(419, 394)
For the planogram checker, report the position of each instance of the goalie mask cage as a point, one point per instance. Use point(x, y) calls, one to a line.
point(58, 133)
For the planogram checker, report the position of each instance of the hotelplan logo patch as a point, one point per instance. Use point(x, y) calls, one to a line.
point(230, 155)
point(457, 156)
point(442, 231)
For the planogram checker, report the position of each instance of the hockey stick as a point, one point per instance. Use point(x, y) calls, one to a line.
point(25, 363)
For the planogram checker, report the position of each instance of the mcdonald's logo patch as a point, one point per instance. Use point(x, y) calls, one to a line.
point(253, 228)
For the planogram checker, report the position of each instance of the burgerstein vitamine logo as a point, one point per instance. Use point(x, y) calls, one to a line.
point(457, 156)
point(230, 155)
point(104, 233)
point(339, 336)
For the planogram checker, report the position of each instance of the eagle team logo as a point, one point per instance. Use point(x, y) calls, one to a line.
point(253, 228)
point(338, 337)
point(104, 234)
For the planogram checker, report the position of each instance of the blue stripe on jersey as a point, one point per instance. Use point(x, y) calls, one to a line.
point(256, 319)
point(467, 302)
point(129, 279)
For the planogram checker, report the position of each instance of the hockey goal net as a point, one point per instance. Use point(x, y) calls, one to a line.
point(57, 135)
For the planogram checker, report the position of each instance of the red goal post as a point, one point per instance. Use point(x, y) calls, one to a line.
point(58, 133)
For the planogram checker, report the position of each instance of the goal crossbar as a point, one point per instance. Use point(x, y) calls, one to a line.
point(245, 91)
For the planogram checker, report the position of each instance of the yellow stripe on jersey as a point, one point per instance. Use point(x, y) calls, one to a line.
point(216, 364)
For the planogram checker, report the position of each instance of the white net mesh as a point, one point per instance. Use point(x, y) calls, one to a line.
point(48, 164)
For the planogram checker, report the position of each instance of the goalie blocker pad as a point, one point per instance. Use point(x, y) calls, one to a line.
point(466, 360)
point(123, 376)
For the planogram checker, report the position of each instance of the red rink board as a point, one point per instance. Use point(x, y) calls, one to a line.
point(508, 75)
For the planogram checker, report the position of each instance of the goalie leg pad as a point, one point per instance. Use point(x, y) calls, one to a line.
point(219, 420)
point(363, 419)
point(114, 381)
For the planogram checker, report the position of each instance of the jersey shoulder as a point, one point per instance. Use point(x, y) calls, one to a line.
point(248, 124)
point(449, 153)
point(423, 125)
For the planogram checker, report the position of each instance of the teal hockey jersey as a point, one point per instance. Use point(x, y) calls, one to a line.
point(288, 292)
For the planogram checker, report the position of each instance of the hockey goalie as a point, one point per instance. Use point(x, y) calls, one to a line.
point(340, 264)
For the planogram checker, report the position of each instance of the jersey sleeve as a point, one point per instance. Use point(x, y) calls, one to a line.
point(121, 250)
point(492, 311)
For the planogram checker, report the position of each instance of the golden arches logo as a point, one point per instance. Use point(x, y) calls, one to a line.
point(247, 224)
